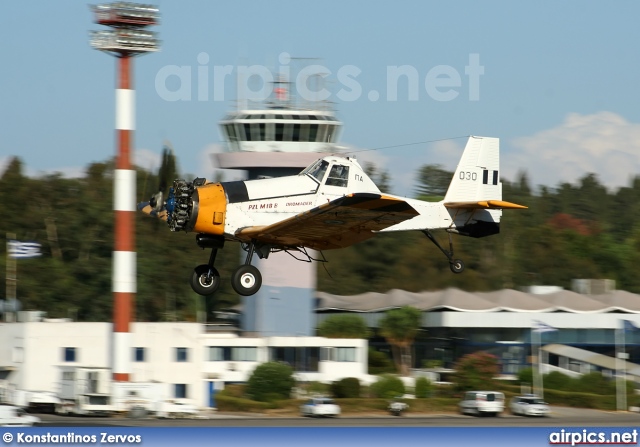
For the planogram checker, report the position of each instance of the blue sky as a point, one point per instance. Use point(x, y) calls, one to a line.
point(559, 86)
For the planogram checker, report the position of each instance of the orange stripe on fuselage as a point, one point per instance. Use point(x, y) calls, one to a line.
point(212, 209)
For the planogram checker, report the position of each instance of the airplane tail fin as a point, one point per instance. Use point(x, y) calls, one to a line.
point(477, 177)
point(475, 192)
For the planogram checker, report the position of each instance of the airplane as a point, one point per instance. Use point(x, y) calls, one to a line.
point(330, 204)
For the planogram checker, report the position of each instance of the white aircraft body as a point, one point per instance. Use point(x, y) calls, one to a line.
point(330, 204)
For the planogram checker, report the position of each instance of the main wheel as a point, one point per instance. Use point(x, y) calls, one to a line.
point(205, 279)
point(246, 280)
point(457, 266)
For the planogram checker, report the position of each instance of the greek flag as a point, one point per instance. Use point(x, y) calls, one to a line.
point(629, 326)
point(19, 249)
point(539, 326)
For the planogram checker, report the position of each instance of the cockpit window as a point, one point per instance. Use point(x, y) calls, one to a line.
point(316, 170)
point(338, 176)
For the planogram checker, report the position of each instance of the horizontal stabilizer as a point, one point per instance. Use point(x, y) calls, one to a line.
point(336, 224)
point(484, 204)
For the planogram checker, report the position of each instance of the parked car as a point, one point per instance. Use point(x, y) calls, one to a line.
point(529, 405)
point(482, 402)
point(11, 416)
point(319, 407)
point(397, 407)
point(177, 408)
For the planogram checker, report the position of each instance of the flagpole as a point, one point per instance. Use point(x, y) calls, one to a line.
point(11, 278)
point(621, 397)
point(536, 369)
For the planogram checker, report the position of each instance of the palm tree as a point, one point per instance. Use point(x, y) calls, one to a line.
point(400, 327)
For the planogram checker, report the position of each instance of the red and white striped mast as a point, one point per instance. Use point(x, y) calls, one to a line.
point(126, 38)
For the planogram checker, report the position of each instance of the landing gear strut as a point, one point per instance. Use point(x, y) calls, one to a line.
point(205, 279)
point(246, 280)
point(456, 265)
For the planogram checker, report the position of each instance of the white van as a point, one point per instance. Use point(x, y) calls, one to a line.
point(482, 402)
point(11, 416)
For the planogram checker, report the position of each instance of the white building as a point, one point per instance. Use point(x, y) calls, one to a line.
point(185, 358)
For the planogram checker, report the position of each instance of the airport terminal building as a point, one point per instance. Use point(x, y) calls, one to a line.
point(455, 322)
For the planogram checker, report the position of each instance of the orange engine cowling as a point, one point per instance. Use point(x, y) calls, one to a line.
point(209, 206)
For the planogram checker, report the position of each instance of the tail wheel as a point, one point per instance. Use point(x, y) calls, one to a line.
point(457, 266)
point(246, 280)
point(205, 279)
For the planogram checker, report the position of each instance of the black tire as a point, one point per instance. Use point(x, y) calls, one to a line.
point(205, 280)
point(246, 280)
point(457, 266)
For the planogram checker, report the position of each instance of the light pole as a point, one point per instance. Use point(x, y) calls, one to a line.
point(126, 38)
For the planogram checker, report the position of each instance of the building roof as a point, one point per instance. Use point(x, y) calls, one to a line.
point(506, 300)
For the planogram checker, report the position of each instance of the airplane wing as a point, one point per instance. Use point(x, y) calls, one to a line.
point(337, 224)
point(484, 205)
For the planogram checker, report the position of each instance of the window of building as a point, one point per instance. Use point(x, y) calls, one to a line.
point(345, 354)
point(68, 375)
point(331, 354)
point(180, 391)
point(139, 354)
point(69, 354)
point(244, 354)
point(299, 358)
point(181, 355)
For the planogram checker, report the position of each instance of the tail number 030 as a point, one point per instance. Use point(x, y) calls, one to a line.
point(468, 175)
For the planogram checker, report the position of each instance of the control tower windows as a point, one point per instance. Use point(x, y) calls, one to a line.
point(322, 133)
point(296, 133)
point(288, 132)
point(304, 132)
point(313, 132)
point(247, 132)
point(279, 131)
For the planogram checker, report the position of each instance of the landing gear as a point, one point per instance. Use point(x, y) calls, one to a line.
point(205, 279)
point(246, 280)
point(456, 265)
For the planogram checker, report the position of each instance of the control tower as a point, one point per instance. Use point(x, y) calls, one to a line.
point(275, 139)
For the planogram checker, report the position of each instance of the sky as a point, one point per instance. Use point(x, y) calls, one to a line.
point(555, 81)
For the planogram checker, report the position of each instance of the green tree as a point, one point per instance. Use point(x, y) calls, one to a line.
point(423, 387)
point(379, 362)
point(270, 381)
point(400, 327)
point(433, 182)
point(475, 371)
point(343, 326)
point(387, 386)
point(349, 387)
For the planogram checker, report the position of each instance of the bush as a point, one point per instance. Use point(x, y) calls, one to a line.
point(559, 381)
point(423, 387)
point(270, 381)
point(387, 387)
point(348, 387)
point(476, 371)
point(525, 375)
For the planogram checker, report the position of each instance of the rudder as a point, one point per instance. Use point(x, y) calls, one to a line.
point(477, 176)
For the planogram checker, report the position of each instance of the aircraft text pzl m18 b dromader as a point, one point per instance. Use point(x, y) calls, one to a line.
point(330, 204)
